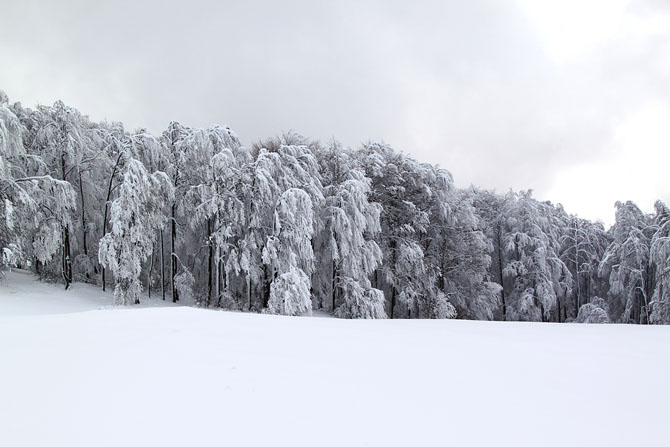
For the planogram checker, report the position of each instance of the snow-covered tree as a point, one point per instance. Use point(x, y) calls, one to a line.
point(347, 252)
point(582, 246)
point(463, 254)
point(626, 265)
point(660, 258)
point(352, 221)
point(536, 274)
point(289, 254)
point(596, 311)
point(172, 141)
point(34, 205)
point(290, 224)
point(394, 183)
point(66, 141)
point(217, 200)
point(289, 293)
point(260, 198)
point(135, 216)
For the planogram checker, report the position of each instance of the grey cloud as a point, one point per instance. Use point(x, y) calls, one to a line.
point(463, 84)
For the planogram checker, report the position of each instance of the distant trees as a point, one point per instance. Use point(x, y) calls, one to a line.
point(289, 226)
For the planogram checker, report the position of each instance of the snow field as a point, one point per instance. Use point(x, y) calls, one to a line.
point(75, 371)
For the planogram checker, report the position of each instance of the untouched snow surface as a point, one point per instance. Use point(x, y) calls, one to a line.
point(76, 372)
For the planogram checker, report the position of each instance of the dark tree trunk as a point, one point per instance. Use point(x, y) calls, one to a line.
point(222, 282)
point(393, 258)
point(249, 291)
point(162, 268)
point(209, 262)
point(266, 287)
point(333, 287)
point(151, 268)
point(67, 262)
point(173, 255)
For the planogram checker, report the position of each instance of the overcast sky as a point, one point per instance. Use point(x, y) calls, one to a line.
point(570, 98)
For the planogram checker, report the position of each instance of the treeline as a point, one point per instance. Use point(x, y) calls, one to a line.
point(291, 224)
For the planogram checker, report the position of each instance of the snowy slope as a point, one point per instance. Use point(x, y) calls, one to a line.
point(21, 293)
point(183, 376)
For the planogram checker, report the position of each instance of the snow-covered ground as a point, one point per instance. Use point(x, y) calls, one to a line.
point(75, 371)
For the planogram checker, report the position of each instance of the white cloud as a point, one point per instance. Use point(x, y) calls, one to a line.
point(570, 29)
point(635, 169)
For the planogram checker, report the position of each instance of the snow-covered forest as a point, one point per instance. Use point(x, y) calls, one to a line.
point(291, 225)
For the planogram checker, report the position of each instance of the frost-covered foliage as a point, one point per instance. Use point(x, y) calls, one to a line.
point(288, 225)
point(351, 222)
point(414, 200)
point(583, 244)
point(135, 216)
point(626, 265)
point(34, 206)
point(533, 267)
point(660, 258)
point(597, 311)
point(289, 254)
point(463, 256)
point(289, 293)
point(359, 301)
point(184, 283)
